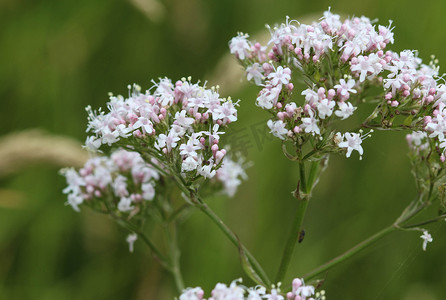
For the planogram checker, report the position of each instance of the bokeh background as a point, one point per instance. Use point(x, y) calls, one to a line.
point(56, 57)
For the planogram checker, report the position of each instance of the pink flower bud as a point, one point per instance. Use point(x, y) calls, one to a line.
point(331, 93)
point(137, 133)
point(321, 93)
point(297, 283)
point(219, 156)
point(214, 148)
point(297, 129)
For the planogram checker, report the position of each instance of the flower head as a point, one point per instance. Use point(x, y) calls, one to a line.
point(427, 238)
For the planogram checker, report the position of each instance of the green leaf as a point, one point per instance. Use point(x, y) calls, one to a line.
point(247, 266)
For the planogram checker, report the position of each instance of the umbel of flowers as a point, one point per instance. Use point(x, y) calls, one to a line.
point(179, 124)
point(124, 184)
point(340, 63)
point(171, 129)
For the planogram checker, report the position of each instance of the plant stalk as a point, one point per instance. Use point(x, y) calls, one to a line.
point(233, 238)
point(349, 253)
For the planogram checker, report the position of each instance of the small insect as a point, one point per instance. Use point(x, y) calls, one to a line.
point(301, 236)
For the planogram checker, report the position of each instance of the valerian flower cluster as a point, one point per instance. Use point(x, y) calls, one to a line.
point(169, 131)
point(123, 183)
point(339, 64)
point(236, 291)
point(178, 123)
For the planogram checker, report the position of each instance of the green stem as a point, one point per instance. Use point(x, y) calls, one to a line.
point(349, 253)
point(293, 237)
point(175, 257)
point(302, 194)
point(411, 211)
point(442, 217)
point(233, 238)
point(303, 182)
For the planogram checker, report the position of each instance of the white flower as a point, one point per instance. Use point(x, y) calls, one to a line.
point(120, 186)
point(226, 112)
point(277, 128)
point(206, 171)
point(427, 238)
point(74, 200)
point(240, 46)
point(189, 149)
point(281, 76)
point(166, 99)
point(256, 293)
point(353, 142)
point(131, 239)
point(168, 141)
point(148, 191)
point(310, 124)
point(367, 65)
point(223, 292)
point(346, 109)
point(189, 164)
point(229, 175)
point(92, 143)
point(310, 96)
point(192, 294)
point(305, 291)
point(416, 138)
point(274, 295)
point(182, 120)
point(345, 87)
point(255, 71)
point(214, 135)
point(125, 204)
point(325, 108)
point(268, 97)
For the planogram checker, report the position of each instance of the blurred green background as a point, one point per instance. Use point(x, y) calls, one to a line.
point(56, 57)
